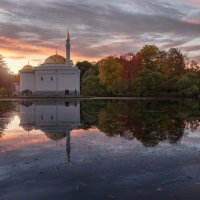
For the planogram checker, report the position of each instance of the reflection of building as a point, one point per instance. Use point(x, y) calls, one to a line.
point(55, 77)
point(55, 119)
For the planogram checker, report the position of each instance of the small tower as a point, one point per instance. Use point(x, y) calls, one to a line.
point(68, 49)
point(68, 146)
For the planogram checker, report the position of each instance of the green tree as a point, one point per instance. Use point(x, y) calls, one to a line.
point(175, 63)
point(110, 74)
point(188, 84)
point(92, 87)
point(84, 66)
point(149, 83)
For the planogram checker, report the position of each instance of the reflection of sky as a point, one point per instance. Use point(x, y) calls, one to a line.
point(15, 138)
point(31, 30)
point(34, 161)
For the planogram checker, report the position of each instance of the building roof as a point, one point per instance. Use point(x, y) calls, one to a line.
point(27, 67)
point(55, 59)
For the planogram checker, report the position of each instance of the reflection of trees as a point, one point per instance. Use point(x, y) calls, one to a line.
point(5, 107)
point(89, 112)
point(150, 122)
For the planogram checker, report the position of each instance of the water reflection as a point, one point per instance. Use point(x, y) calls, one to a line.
point(150, 122)
point(5, 107)
point(104, 142)
point(55, 119)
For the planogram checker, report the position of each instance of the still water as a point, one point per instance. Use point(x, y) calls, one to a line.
point(99, 149)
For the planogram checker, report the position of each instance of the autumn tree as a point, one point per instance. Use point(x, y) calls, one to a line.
point(110, 71)
point(149, 55)
point(194, 67)
point(131, 64)
point(6, 78)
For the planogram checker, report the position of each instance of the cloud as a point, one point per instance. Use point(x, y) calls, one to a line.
point(191, 48)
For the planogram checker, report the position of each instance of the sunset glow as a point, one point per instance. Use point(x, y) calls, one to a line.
point(31, 31)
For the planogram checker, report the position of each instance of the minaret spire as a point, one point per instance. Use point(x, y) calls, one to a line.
point(68, 147)
point(68, 35)
point(68, 45)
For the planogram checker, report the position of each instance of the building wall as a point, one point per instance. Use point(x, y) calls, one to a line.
point(51, 115)
point(27, 80)
point(45, 81)
point(51, 81)
point(68, 81)
point(27, 114)
point(69, 113)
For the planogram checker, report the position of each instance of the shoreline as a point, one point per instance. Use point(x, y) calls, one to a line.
point(14, 98)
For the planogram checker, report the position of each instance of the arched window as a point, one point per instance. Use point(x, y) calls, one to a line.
point(42, 78)
point(52, 78)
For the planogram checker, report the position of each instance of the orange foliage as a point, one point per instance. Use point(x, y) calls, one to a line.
point(131, 65)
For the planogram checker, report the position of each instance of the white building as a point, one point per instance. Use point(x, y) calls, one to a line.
point(55, 119)
point(55, 77)
point(50, 117)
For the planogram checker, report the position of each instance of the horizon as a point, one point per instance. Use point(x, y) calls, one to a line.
point(32, 31)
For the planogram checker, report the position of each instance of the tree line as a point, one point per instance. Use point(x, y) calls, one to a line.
point(149, 72)
point(7, 79)
point(150, 122)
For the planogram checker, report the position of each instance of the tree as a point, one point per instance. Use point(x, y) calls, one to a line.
point(84, 67)
point(149, 83)
point(161, 62)
point(188, 84)
point(131, 65)
point(193, 66)
point(6, 79)
point(3, 91)
point(92, 87)
point(2, 62)
point(91, 72)
point(149, 54)
point(109, 74)
point(175, 62)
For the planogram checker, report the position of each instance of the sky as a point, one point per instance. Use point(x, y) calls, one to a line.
point(33, 30)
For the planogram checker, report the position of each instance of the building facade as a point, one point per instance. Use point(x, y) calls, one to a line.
point(55, 77)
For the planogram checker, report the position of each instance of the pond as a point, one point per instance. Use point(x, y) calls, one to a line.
point(99, 149)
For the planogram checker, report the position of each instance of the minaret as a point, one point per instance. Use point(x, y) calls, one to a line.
point(68, 146)
point(68, 49)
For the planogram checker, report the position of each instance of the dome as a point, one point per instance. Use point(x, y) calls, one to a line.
point(27, 127)
point(55, 59)
point(27, 67)
point(55, 135)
